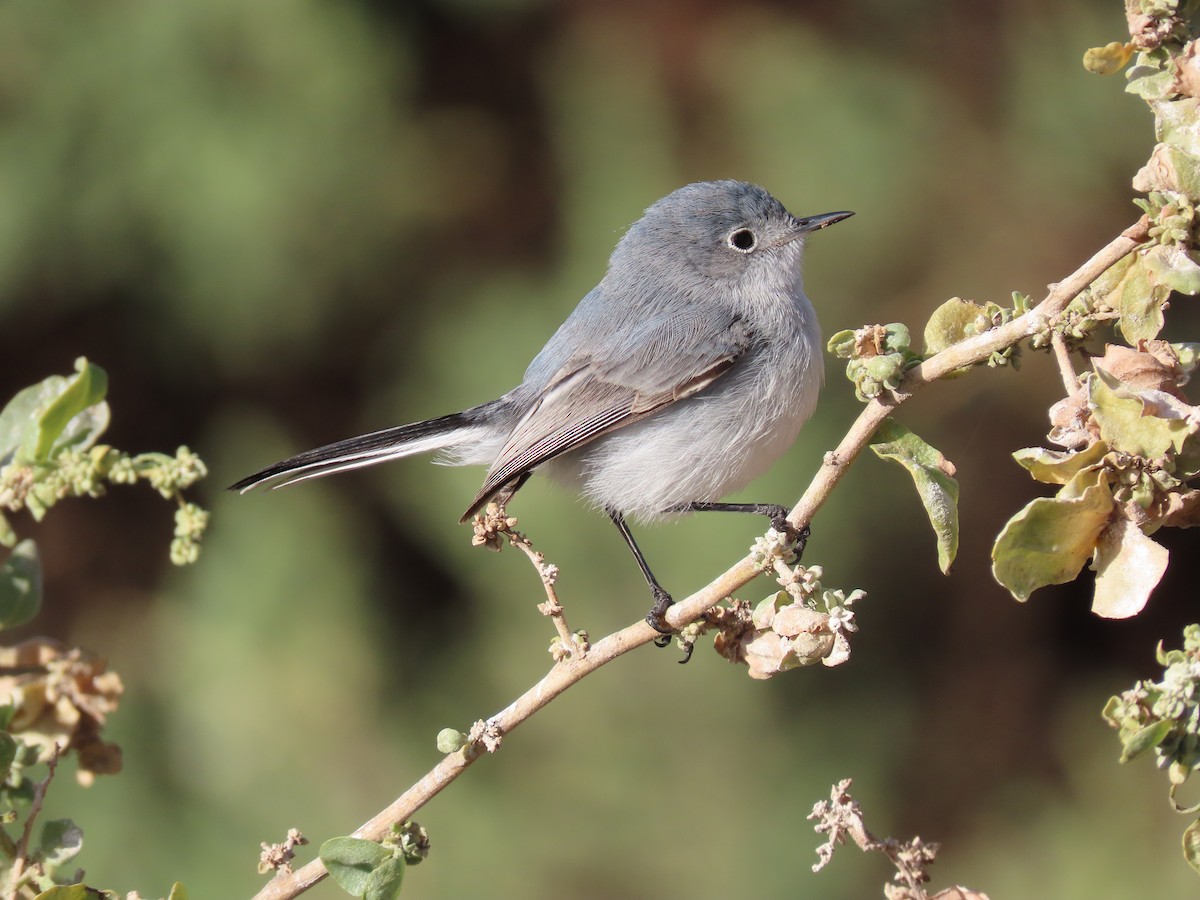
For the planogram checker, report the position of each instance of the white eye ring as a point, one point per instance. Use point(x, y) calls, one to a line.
point(743, 240)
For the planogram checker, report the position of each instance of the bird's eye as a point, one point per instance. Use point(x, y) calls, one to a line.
point(743, 240)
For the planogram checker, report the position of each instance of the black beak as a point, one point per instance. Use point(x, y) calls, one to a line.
point(815, 223)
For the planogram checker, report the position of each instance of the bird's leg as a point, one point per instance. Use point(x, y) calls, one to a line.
point(776, 513)
point(662, 599)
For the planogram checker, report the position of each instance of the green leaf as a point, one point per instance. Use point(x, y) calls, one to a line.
point(57, 413)
point(178, 892)
point(56, 426)
point(1144, 739)
point(1191, 845)
point(19, 418)
point(1059, 466)
point(1124, 424)
point(350, 862)
point(841, 344)
point(74, 892)
point(897, 338)
point(385, 880)
point(1128, 567)
point(61, 841)
point(1171, 266)
point(933, 476)
point(20, 585)
point(8, 752)
point(1052, 537)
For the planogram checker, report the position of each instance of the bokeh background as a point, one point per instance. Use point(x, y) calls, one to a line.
point(277, 224)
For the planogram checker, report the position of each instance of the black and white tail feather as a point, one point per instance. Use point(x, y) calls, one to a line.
point(458, 436)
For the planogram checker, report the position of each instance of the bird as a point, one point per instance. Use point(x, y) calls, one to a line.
point(681, 376)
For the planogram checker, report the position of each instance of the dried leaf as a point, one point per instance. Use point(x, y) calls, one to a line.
point(1155, 367)
point(1128, 567)
point(1071, 423)
point(1187, 74)
point(1182, 510)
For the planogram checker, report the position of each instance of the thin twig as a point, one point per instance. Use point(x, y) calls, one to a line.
point(1069, 376)
point(548, 573)
point(35, 807)
point(494, 524)
point(568, 671)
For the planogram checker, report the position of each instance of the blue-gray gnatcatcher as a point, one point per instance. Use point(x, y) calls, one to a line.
point(680, 377)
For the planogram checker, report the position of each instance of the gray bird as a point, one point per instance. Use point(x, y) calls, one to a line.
point(679, 378)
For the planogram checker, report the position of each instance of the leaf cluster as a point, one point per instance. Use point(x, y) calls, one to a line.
point(1163, 717)
point(375, 870)
point(55, 700)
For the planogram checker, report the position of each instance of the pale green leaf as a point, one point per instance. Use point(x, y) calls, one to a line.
point(1124, 424)
point(1151, 75)
point(1138, 299)
point(1049, 540)
point(385, 880)
point(951, 322)
point(1059, 466)
point(933, 476)
point(1178, 123)
point(1144, 739)
point(1170, 265)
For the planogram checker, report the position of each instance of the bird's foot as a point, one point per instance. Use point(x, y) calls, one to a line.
point(654, 618)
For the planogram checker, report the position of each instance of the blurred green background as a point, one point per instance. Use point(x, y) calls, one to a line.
point(277, 224)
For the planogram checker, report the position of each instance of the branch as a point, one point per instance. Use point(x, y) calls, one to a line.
point(568, 671)
point(35, 807)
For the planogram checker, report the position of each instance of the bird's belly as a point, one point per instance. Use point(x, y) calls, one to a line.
point(698, 449)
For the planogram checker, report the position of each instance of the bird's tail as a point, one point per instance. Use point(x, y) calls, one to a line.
point(464, 435)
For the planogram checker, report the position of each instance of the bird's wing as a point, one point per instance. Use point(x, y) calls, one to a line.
point(588, 397)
